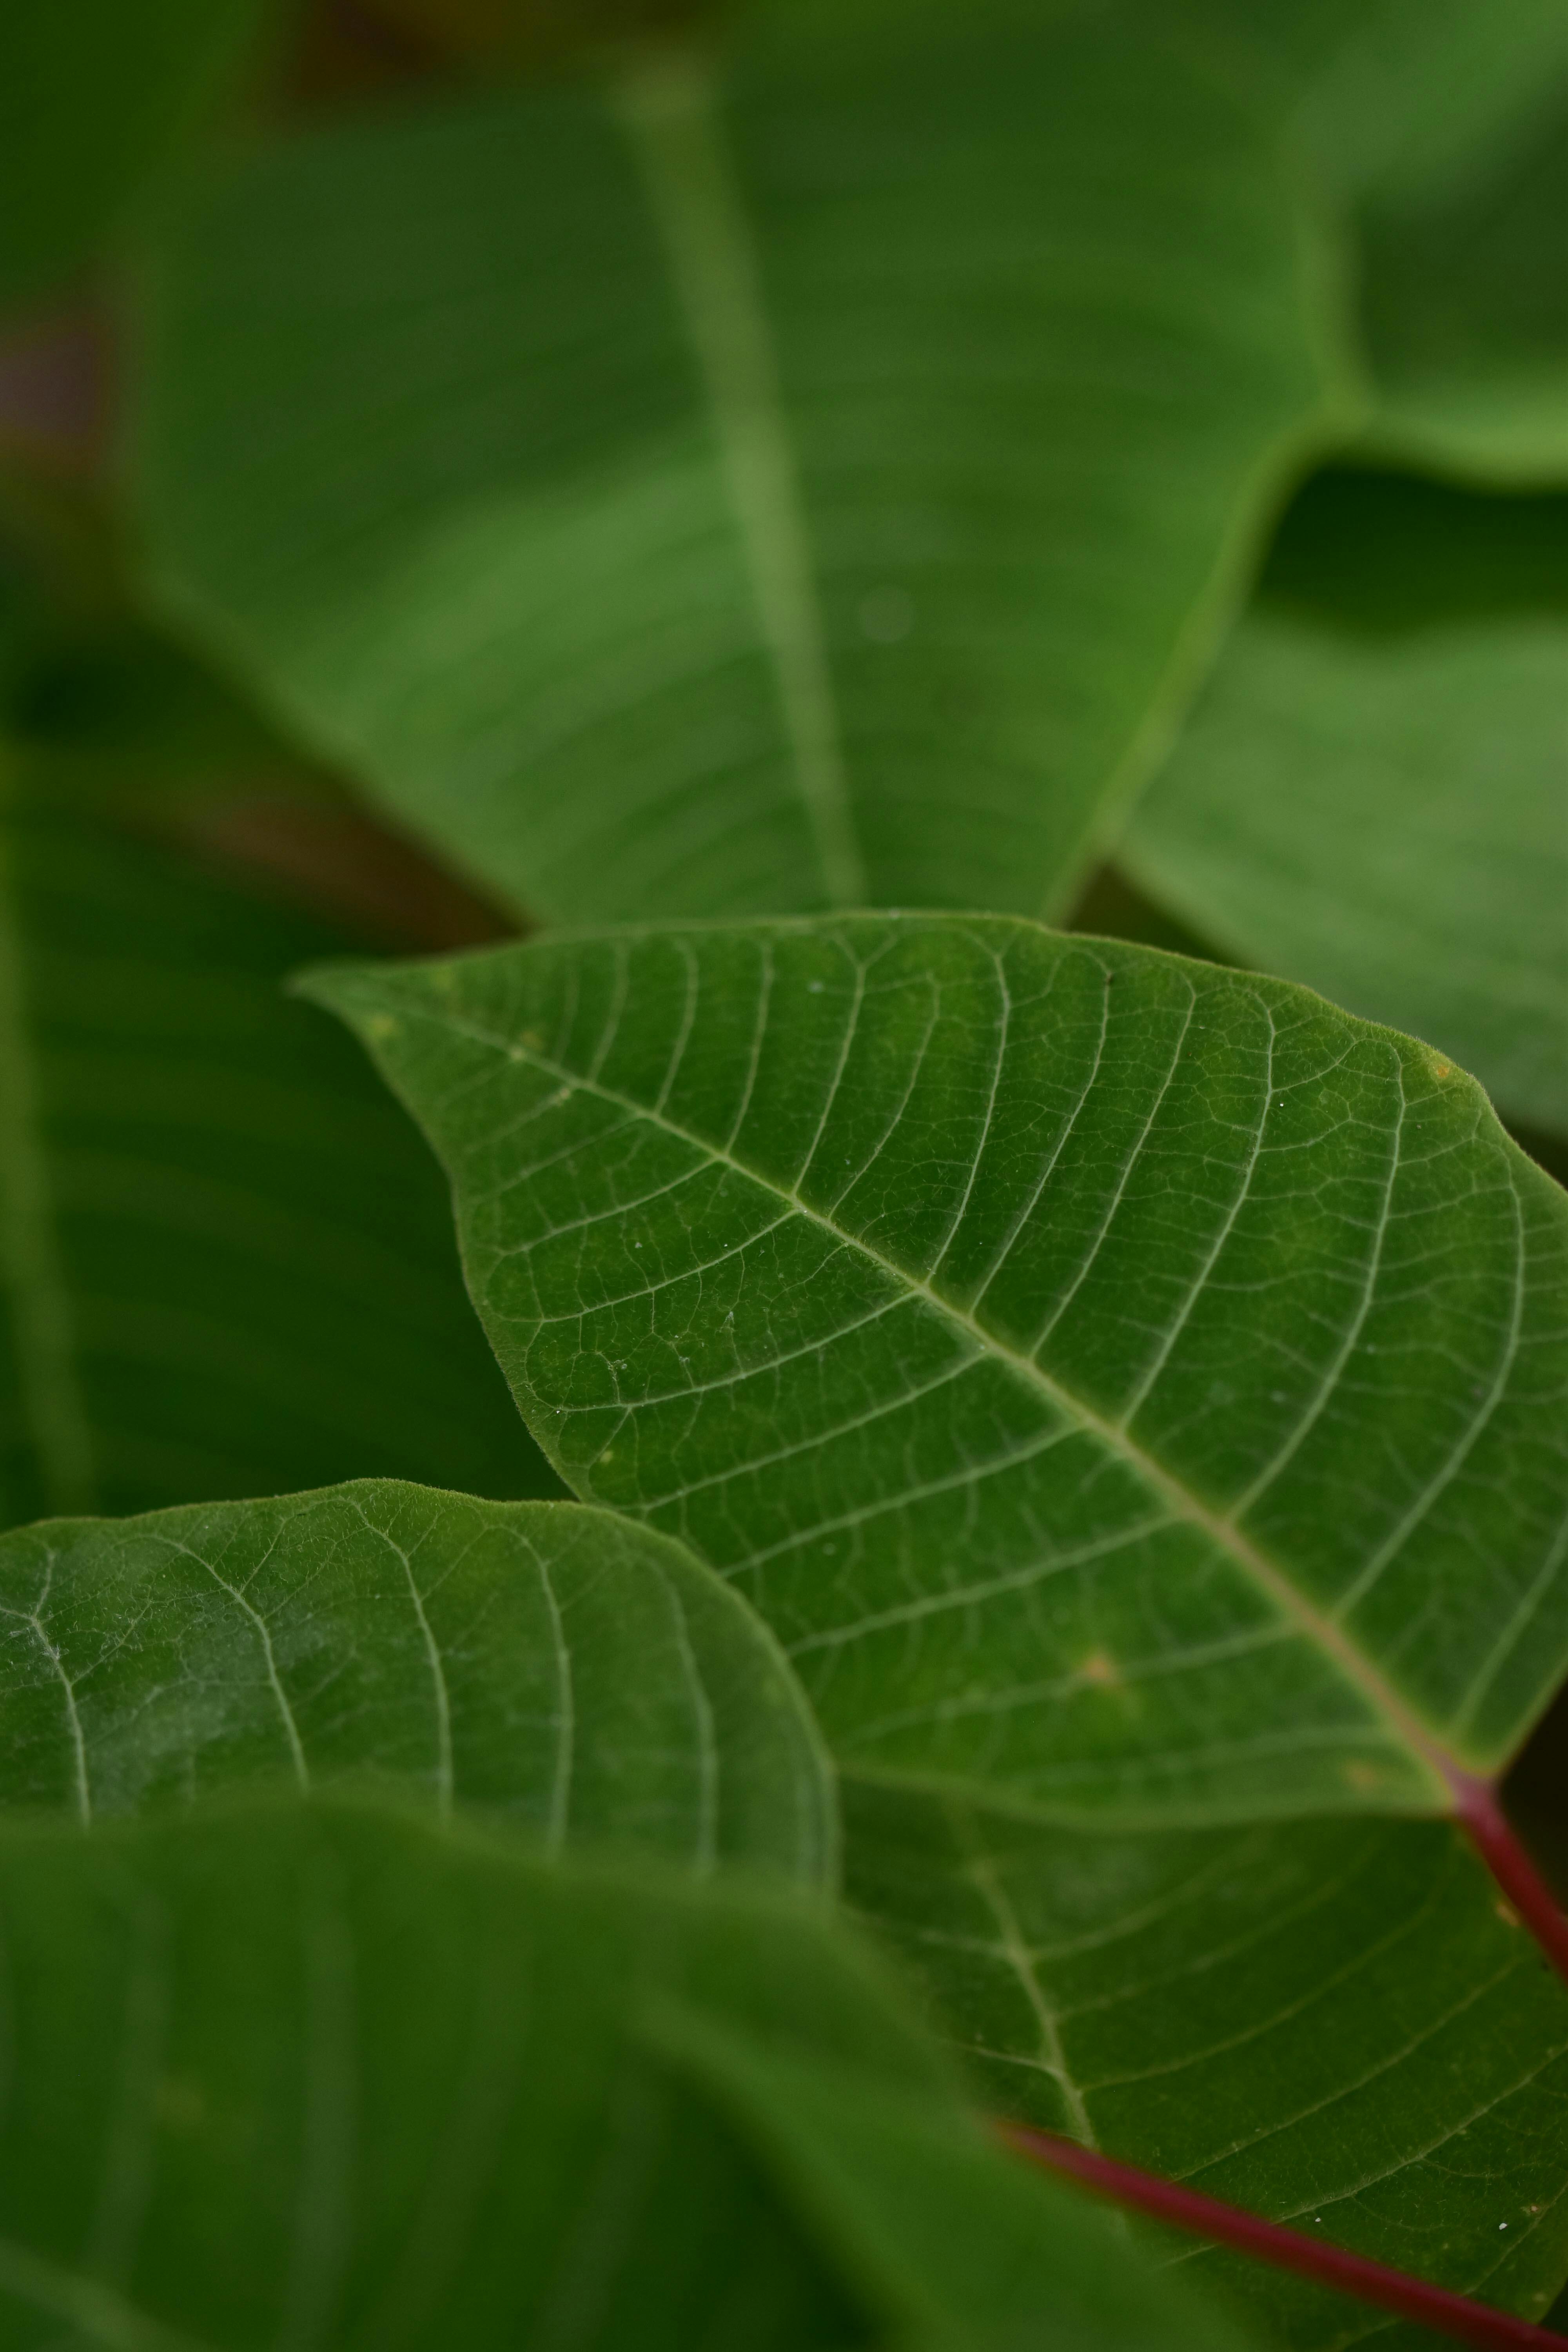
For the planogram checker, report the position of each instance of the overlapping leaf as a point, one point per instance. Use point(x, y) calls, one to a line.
point(1331, 2022)
point(715, 492)
point(942, 1277)
point(574, 1673)
point(1369, 795)
point(1132, 1391)
point(227, 1270)
point(325, 2074)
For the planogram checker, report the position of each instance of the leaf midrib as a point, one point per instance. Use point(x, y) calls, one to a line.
point(1419, 1741)
point(668, 113)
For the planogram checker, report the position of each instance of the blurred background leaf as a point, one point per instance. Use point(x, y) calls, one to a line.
point(692, 495)
point(410, 2087)
point(1370, 793)
point(95, 97)
point(228, 1267)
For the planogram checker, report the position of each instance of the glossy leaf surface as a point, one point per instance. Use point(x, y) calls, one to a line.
point(561, 1667)
point(227, 1268)
point(1131, 1383)
point(1131, 1391)
point(1370, 793)
point(664, 489)
point(326, 2075)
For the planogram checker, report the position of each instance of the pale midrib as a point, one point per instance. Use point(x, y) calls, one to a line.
point(671, 120)
point(1407, 1727)
point(53, 1407)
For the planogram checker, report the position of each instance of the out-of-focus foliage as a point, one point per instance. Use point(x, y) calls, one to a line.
point(1372, 795)
point(94, 97)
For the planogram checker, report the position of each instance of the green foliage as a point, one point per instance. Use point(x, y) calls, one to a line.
point(915, 1270)
point(229, 1268)
point(1329, 2020)
point(1131, 1392)
point(1068, 1439)
point(556, 1666)
point(1369, 795)
point(93, 95)
point(328, 2074)
point(1466, 307)
point(821, 509)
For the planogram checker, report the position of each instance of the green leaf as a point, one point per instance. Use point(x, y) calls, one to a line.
point(663, 488)
point(577, 1675)
point(1465, 306)
point(1131, 1391)
point(954, 1285)
point(93, 95)
point(226, 1267)
point(1369, 794)
point(1435, 130)
point(1328, 2021)
point(328, 2075)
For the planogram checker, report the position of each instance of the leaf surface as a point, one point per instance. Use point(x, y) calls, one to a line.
point(225, 1268)
point(1369, 794)
point(1330, 2021)
point(560, 1667)
point(1132, 1382)
point(664, 489)
point(1465, 308)
point(329, 2075)
point(1133, 1391)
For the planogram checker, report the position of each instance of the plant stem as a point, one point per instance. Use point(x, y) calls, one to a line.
point(1495, 1839)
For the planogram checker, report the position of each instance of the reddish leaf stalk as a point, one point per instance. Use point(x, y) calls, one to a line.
point(1414, 2299)
point(1497, 1842)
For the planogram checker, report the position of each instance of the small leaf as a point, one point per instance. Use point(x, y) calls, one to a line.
point(325, 2074)
point(1369, 795)
point(226, 1268)
point(663, 488)
point(580, 1676)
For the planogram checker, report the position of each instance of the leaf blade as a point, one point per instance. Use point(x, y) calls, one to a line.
point(926, 462)
point(403, 2091)
point(552, 1666)
point(656, 1058)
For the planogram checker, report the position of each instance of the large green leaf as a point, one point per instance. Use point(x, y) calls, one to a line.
point(328, 2076)
point(226, 1267)
point(93, 94)
point(955, 1286)
point(1369, 796)
point(1131, 1391)
point(560, 1666)
point(812, 482)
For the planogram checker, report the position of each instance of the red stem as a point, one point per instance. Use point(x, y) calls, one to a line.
point(1188, 2209)
point(1492, 1835)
